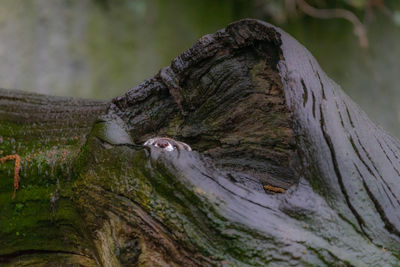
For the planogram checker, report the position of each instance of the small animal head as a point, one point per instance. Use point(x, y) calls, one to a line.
point(167, 144)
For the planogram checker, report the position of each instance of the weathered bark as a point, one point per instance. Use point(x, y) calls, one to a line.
point(42, 225)
point(259, 114)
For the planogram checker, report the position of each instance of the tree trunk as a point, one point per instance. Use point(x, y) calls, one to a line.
point(284, 169)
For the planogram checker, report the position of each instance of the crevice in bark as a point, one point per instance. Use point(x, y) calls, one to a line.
point(394, 153)
point(370, 171)
point(340, 114)
point(359, 156)
point(388, 225)
point(313, 103)
point(305, 93)
point(322, 86)
point(349, 116)
point(328, 141)
point(368, 156)
point(153, 232)
point(388, 158)
point(376, 169)
point(235, 194)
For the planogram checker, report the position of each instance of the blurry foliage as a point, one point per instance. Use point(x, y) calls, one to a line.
point(396, 17)
point(360, 13)
point(282, 10)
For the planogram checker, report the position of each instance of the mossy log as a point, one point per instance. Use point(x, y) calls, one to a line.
point(284, 170)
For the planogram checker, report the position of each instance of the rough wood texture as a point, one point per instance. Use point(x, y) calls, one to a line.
point(41, 226)
point(259, 114)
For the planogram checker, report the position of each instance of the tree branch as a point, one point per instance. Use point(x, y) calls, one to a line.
point(359, 28)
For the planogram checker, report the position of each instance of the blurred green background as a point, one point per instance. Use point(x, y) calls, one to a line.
point(102, 48)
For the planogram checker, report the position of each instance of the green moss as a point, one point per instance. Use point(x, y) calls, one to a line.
point(151, 185)
point(32, 221)
point(175, 125)
point(50, 259)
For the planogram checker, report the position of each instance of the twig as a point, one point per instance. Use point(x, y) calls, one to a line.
point(17, 168)
point(359, 28)
point(274, 189)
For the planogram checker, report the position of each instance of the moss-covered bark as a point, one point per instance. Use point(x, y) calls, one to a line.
point(283, 170)
point(42, 224)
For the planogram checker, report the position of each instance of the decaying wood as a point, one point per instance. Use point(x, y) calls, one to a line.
point(285, 169)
